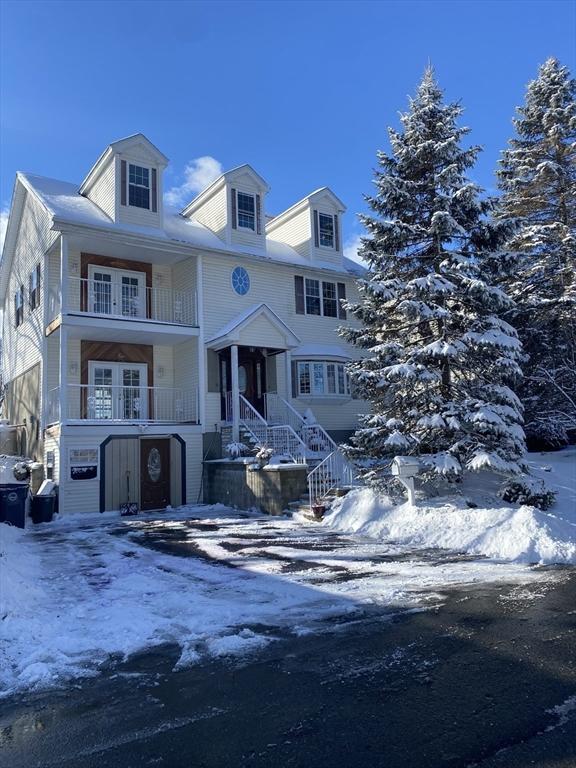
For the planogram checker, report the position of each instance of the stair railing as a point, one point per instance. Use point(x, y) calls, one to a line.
point(335, 471)
point(282, 438)
point(279, 410)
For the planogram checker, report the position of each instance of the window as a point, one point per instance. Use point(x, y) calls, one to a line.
point(246, 211)
point(329, 302)
point(34, 288)
point(326, 230)
point(138, 186)
point(321, 379)
point(312, 297)
point(19, 306)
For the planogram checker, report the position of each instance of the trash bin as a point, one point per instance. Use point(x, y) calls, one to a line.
point(13, 504)
point(42, 508)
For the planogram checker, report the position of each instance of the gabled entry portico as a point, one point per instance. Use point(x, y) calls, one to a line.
point(244, 346)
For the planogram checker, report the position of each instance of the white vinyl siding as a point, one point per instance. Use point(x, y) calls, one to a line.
point(213, 213)
point(295, 231)
point(103, 190)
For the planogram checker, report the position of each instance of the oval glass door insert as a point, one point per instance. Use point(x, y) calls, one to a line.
point(154, 465)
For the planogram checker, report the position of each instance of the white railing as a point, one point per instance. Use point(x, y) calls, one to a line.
point(105, 403)
point(334, 472)
point(282, 439)
point(131, 301)
point(279, 411)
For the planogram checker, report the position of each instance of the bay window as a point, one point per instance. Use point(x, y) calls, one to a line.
point(322, 378)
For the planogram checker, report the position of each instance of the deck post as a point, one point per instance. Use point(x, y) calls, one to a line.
point(235, 394)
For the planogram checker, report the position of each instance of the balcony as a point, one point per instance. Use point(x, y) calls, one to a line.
point(130, 299)
point(104, 404)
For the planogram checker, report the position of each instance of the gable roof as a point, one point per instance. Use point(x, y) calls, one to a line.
point(306, 201)
point(230, 333)
point(227, 176)
point(118, 147)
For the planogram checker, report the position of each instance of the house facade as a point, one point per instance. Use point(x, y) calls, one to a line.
point(137, 339)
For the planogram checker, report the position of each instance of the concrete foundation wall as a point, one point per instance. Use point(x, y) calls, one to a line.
point(270, 490)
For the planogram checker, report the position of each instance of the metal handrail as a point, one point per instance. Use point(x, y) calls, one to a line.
point(335, 471)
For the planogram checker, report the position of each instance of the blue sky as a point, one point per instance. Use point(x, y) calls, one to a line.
point(303, 91)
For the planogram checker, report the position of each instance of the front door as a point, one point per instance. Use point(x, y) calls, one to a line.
point(251, 376)
point(154, 473)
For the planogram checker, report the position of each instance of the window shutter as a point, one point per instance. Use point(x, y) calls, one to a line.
point(336, 233)
point(16, 309)
point(233, 206)
point(258, 215)
point(154, 191)
point(294, 379)
point(316, 231)
point(38, 275)
point(341, 295)
point(123, 182)
point(299, 294)
point(31, 293)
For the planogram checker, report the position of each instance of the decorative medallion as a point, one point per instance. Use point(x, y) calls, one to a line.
point(154, 465)
point(240, 281)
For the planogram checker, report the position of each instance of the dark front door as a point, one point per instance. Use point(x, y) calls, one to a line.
point(154, 473)
point(251, 376)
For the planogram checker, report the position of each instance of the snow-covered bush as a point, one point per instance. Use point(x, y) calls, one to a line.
point(546, 435)
point(263, 454)
point(235, 450)
point(528, 490)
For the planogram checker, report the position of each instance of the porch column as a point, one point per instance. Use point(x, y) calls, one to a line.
point(63, 378)
point(235, 394)
point(288, 360)
point(63, 274)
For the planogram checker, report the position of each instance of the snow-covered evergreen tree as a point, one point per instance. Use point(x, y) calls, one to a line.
point(438, 355)
point(537, 176)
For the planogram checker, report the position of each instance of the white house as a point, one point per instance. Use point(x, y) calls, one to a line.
point(135, 337)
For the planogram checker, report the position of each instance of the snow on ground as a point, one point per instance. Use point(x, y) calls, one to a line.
point(492, 528)
point(83, 591)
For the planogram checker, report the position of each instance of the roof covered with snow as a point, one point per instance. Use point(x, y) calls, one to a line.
point(66, 206)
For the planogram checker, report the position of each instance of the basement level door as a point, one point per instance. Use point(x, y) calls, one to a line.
point(116, 292)
point(117, 391)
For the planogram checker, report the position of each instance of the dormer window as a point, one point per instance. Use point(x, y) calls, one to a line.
point(326, 230)
point(246, 208)
point(138, 186)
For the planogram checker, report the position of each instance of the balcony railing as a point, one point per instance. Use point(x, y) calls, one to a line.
point(131, 301)
point(103, 403)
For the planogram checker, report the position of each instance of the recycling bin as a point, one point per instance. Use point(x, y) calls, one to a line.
point(42, 508)
point(13, 504)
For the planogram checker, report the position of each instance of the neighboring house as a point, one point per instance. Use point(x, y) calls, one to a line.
point(134, 337)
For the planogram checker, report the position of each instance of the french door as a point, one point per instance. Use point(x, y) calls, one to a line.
point(117, 391)
point(116, 292)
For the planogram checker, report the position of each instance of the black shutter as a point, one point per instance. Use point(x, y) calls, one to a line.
point(233, 206)
point(154, 191)
point(341, 295)
point(258, 215)
point(31, 292)
point(294, 379)
point(299, 294)
point(316, 232)
point(122, 182)
point(16, 323)
point(38, 275)
point(336, 233)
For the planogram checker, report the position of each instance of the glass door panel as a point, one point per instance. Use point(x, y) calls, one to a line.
point(132, 296)
point(101, 293)
point(133, 401)
point(100, 393)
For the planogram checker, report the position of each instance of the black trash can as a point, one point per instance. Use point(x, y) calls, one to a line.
point(42, 508)
point(13, 504)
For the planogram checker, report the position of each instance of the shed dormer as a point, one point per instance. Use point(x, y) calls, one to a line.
point(313, 227)
point(233, 207)
point(126, 182)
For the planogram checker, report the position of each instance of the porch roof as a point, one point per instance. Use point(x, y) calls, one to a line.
point(257, 326)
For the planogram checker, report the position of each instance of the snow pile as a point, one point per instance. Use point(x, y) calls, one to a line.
point(494, 529)
point(20, 584)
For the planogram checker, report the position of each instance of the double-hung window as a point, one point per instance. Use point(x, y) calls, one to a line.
point(19, 306)
point(319, 297)
point(138, 186)
point(313, 301)
point(321, 378)
point(326, 230)
point(34, 288)
point(246, 211)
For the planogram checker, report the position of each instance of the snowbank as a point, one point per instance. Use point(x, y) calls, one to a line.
point(494, 529)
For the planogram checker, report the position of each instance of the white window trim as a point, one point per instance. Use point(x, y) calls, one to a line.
point(321, 294)
point(327, 247)
point(117, 383)
point(325, 395)
point(149, 187)
point(253, 196)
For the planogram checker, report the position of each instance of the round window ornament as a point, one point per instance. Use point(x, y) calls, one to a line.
point(240, 281)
